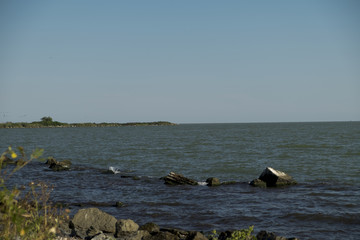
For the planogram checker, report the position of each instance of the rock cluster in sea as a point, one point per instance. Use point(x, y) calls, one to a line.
point(94, 224)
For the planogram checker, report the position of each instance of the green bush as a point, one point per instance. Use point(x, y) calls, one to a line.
point(30, 216)
point(243, 234)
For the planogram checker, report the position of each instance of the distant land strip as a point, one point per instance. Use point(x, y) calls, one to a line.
point(47, 122)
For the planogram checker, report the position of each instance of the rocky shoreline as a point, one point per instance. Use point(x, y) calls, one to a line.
point(94, 224)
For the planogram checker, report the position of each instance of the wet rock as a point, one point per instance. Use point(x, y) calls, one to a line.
point(274, 178)
point(50, 160)
point(58, 166)
point(258, 183)
point(119, 204)
point(152, 228)
point(125, 227)
point(178, 179)
point(86, 220)
point(213, 182)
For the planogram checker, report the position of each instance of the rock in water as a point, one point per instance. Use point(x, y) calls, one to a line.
point(178, 179)
point(58, 166)
point(273, 178)
point(92, 218)
point(213, 182)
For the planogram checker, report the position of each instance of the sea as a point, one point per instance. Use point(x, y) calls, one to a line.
point(323, 157)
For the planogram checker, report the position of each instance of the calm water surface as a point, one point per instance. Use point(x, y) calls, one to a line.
point(323, 157)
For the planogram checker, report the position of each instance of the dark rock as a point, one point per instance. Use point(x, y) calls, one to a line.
point(258, 183)
point(225, 235)
point(162, 236)
point(213, 182)
point(275, 178)
point(50, 160)
point(119, 204)
point(152, 228)
point(92, 218)
point(178, 179)
point(60, 166)
point(264, 235)
point(181, 234)
point(196, 236)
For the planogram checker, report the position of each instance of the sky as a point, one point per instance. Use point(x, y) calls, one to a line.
point(180, 61)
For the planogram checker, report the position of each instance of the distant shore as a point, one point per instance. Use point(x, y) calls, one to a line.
point(47, 122)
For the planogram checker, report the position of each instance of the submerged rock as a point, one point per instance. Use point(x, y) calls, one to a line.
point(58, 166)
point(258, 183)
point(273, 178)
point(213, 182)
point(178, 179)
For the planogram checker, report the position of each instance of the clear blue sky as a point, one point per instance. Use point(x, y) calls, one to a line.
point(180, 61)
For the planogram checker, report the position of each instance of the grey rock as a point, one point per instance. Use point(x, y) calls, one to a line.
point(125, 227)
point(86, 220)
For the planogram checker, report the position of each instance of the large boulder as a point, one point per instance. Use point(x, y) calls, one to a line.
point(273, 178)
point(92, 219)
point(178, 179)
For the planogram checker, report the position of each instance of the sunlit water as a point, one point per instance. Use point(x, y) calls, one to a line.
point(323, 157)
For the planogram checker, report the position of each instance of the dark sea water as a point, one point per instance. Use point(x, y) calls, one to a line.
point(323, 157)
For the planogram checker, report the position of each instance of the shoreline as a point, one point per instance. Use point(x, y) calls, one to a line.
point(93, 223)
point(10, 125)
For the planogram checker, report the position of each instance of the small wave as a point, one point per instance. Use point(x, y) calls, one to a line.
point(321, 217)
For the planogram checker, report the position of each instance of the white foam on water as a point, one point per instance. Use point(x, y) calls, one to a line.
point(114, 170)
point(202, 183)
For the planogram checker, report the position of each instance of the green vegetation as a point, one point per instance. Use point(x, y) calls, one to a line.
point(243, 234)
point(48, 122)
point(26, 213)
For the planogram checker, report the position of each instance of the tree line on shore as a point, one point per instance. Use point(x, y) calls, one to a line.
point(47, 122)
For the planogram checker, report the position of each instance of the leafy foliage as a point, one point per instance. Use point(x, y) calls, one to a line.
point(243, 234)
point(26, 214)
